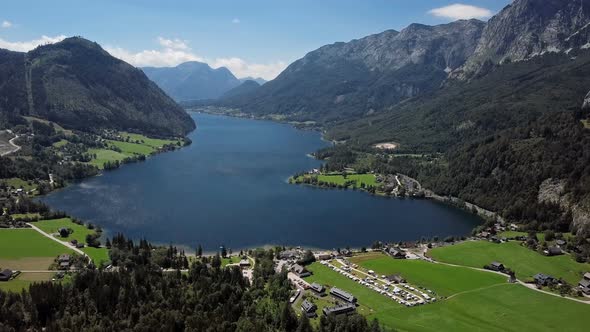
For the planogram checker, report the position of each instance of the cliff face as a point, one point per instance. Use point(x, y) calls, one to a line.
point(528, 28)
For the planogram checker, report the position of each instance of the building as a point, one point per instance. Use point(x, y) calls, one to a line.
point(342, 309)
point(309, 309)
point(497, 266)
point(323, 256)
point(288, 254)
point(553, 251)
point(300, 271)
point(396, 278)
point(6, 275)
point(245, 262)
point(338, 293)
point(346, 252)
point(543, 279)
point(584, 284)
point(396, 252)
point(318, 289)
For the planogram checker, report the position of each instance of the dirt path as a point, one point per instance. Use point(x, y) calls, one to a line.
point(11, 142)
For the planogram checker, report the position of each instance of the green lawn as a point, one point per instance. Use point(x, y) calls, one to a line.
point(19, 183)
point(60, 143)
point(525, 262)
point(367, 179)
point(15, 286)
point(98, 255)
point(53, 226)
point(132, 148)
point(25, 243)
point(18, 216)
point(153, 142)
point(505, 307)
point(444, 280)
point(104, 155)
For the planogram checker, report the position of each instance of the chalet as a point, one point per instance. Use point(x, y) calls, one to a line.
point(553, 251)
point(396, 252)
point(543, 279)
point(300, 271)
point(346, 253)
point(245, 262)
point(483, 235)
point(396, 278)
point(584, 284)
point(309, 309)
point(64, 258)
point(336, 292)
point(497, 266)
point(318, 289)
point(560, 242)
point(323, 256)
point(6, 275)
point(339, 309)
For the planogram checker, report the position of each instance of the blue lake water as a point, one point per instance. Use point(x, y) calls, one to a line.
point(230, 187)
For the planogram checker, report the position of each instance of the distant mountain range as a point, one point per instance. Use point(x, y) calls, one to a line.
point(352, 80)
point(193, 81)
point(258, 80)
point(77, 84)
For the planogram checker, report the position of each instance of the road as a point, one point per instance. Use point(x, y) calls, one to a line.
point(11, 142)
point(64, 243)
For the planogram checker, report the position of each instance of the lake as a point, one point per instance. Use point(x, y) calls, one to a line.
point(230, 187)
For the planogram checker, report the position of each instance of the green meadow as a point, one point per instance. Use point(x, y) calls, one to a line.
point(525, 262)
point(52, 226)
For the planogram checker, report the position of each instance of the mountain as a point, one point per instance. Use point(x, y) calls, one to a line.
point(77, 84)
point(258, 80)
point(243, 89)
point(528, 28)
point(348, 80)
point(193, 80)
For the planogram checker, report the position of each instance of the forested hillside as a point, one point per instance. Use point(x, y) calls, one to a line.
point(78, 85)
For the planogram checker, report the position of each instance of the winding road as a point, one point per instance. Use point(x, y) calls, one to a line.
point(11, 142)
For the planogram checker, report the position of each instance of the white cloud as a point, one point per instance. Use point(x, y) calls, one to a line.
point(24, 46)
point(461, 12)
point(6, 24)
point(175, 44)
point(176, 51)
point(236, 21)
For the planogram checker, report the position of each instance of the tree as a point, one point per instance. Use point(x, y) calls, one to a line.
point(304, 324)
point(223, 252)
point(199, 251)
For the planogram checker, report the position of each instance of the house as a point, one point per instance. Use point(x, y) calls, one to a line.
point(553, 251)
point(346, 253)
point(497, 266)
point(398, 279)
point(560, 242)
point(323, 256)
point(245, 262)
point(584, 285)
point(300, 271)
point(495, 239)
point(543, 279)
point(288, 254)
point(6, 275)
point(396, 252)
point(336, 292)
point(484, 235)
point(309, 309)
point(319, 289)
point(339, 309)
point(64, 258)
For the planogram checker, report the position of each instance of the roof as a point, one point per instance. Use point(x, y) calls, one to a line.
point(339, 309)
point(6, 272)
point(541, 276)
point(299, 269)
point(342, 294)
point(317, 287)
point(584, 283)
point(554, 250)
point(497, 264)
point(245, 262)
point(587, 275)
point(64, 257)
point(308, 306)
point(395, 277)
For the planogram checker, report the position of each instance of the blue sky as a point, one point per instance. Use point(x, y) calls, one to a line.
point(251, 37)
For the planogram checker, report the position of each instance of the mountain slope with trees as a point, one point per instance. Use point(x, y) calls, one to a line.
point(78, 85)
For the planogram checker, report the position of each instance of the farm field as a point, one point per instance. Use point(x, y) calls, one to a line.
point(26, 249)
point(367, 179)
point(525, 262)
point(443, 279)
point(19, 183)
point(53, 226)
point(153, 142)
point(103, 155)
point(131, 149)
point(98, 255)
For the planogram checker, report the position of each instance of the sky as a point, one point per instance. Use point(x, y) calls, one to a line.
point(257, 38)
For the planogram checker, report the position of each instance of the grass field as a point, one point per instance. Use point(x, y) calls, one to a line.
point(26, 249)
point(18, 216)
point(53, 226)
point(24, 280)
point(131, 149)
point(444, 280)
point(153, 142)
point(103, 155)
point(366, 179)
point(525, 262)
point(19, 183)
point(60, 143)
point(98, 255)
point(503, 307)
